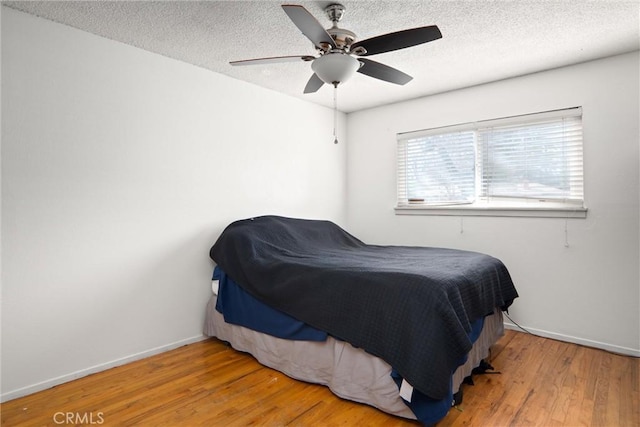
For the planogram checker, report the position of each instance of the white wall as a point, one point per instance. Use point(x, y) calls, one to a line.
point(587, 292)
point(119, 169)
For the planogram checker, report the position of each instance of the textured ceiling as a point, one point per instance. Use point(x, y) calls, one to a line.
point(482, 41)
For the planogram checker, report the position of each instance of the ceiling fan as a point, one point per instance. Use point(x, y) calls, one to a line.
point(337, 48)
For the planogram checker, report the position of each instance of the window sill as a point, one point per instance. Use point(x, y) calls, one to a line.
point(503, 211)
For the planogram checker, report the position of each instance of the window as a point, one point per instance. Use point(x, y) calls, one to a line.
point(523, 165)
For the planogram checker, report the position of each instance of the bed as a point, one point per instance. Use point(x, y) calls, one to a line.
point(394, 327)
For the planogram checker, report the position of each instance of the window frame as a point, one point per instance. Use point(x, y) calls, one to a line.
point(492, 206)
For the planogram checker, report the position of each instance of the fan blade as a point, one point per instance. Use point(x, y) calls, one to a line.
point(383, 72)
point(273, 60)
point(313, 84)
point(309, 25)
point(398, 40)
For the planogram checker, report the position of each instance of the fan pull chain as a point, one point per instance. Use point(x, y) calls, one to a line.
point(335, 113)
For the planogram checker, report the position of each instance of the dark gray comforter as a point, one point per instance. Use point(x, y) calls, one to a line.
point(410, 306)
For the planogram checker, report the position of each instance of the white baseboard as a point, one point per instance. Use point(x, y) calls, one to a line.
point(14, 394)
point(626, 351)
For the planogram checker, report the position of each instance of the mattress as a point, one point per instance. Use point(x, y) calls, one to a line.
point(349, 372)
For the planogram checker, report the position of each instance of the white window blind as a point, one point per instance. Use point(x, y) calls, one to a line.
point(541, 160)
point(437, 169)
point(531, 158)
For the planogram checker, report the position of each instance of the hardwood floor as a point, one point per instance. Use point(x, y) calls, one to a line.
point(542, 383)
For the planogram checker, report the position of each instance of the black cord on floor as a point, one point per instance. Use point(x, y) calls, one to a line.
point(516, 323)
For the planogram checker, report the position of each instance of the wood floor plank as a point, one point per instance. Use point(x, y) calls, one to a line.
point(541, 382)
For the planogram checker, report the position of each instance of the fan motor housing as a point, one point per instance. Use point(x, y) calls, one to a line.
point(343, 38)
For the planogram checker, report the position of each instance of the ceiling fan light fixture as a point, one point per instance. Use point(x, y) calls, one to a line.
point(334, 68)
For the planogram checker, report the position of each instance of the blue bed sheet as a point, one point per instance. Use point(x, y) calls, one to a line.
point(240, 308)
point(428, 410)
